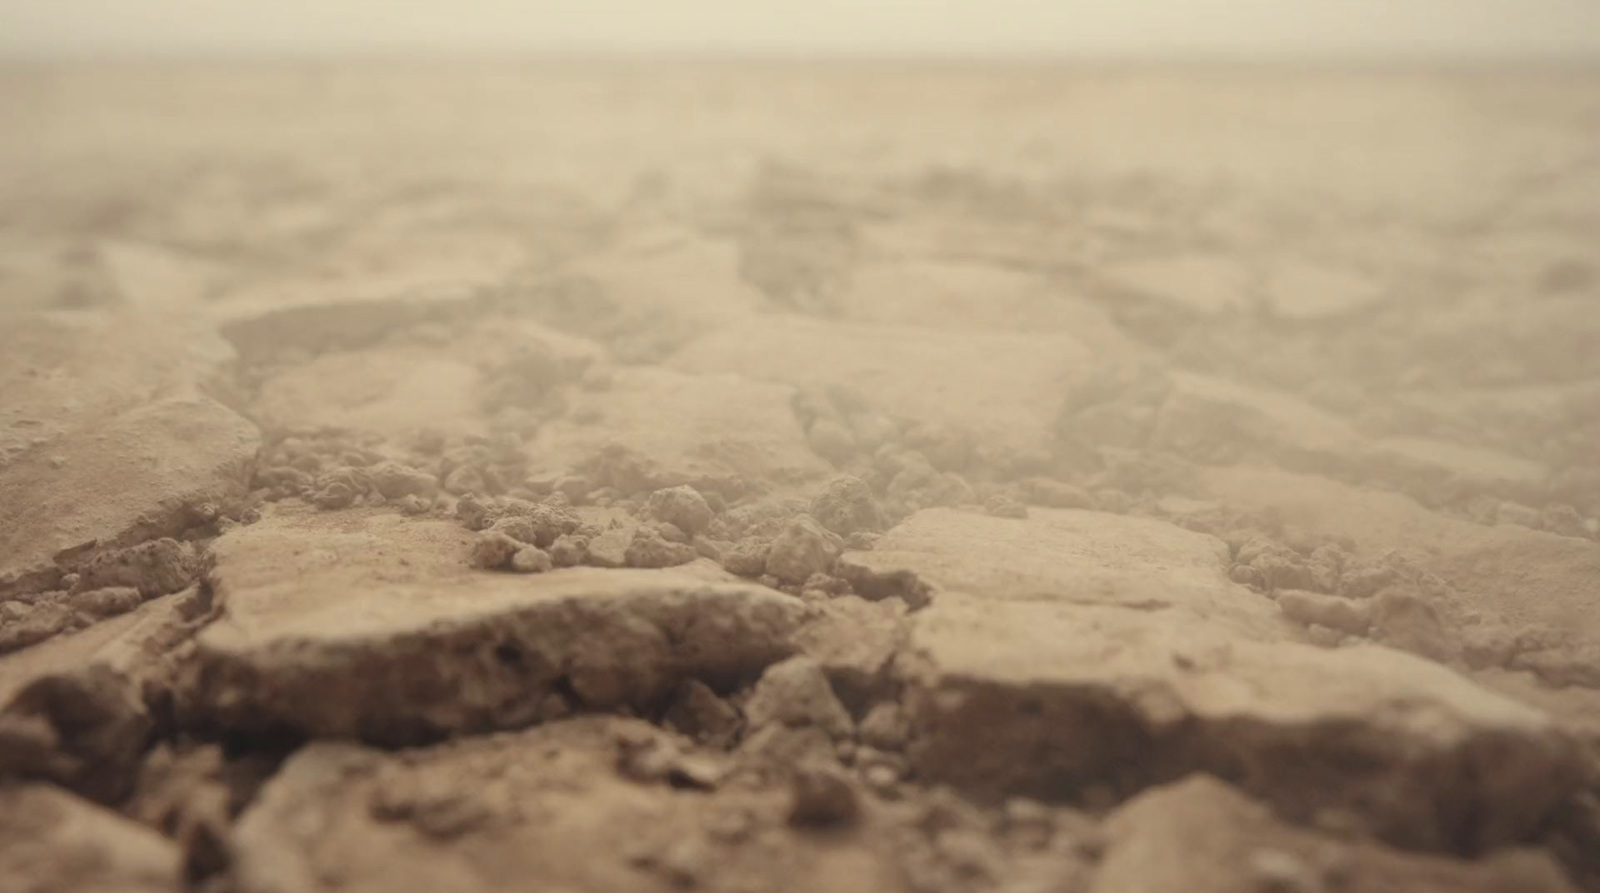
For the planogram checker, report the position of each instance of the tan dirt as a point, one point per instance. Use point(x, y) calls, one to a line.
point(749, 479)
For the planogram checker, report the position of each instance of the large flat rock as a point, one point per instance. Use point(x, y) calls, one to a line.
point(391, 391)
point(655, 428)
point(373, 626)
point(1067, 556)
point(1127, 632)
point(1538, 587)
point(1003, 388)
point(1056, 698)
point(1220, 420)
point(108, 438)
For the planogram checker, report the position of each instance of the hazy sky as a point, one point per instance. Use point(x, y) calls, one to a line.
point(1145, 27)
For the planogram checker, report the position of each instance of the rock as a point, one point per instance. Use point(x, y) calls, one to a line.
point(569, 550)
point(1001, 506)
point(610, 548)
point(855, 642)
point(129, 380)
point(372, 626)
point(531, 560)
point(796, 693)
point(1535, 582)
point(1202, 835)
point(1302, 727)
point(648, 549)
point(395, 481)
point(1342, 614)
point(822, 796)
point(698, 712)
point(682, 507)
point(154, 568)
point(886, 727)
point(802, 549)
point(1219, 421)
point(547, 803)
point(389, 391)
point(1002, 388)
point(175, 461)
point(493, 550)
point(748, 557)
point(51, 840)
point(1081, 557)
point(656, 428)
point(74, 709)
point(845, 505)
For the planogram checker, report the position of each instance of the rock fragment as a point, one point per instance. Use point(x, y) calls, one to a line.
point(547, 802)
point(648, 549)
point(1187, 694)
point(802, 549)
point(153, 568)
point(682, 507)
point(327, 633)
point(396, 481)
point(51, 840)
point(796, 693)
point(845, 505)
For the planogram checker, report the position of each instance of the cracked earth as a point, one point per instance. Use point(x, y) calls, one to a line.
point(629, 478)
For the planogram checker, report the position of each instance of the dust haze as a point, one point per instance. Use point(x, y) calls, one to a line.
point(925, 448)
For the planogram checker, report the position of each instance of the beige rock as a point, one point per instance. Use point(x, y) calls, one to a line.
point(1426, 757)
point(1217, 420)
point(803, 548)
point(654, 428)
point(372, 625)
point(115, 446)
point(1067, 556)
point(391, 391)
point(1539, 583)
point(795, 692)
point(73, 709)
point(1005, 389)
point(1203, 836)
point(52, 841)
point(548, 803)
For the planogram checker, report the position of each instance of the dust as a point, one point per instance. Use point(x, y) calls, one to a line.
point(917, 490)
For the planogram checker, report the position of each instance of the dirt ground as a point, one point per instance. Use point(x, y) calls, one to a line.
point(751, 478)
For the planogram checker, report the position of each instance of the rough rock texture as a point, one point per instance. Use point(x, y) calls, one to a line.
point(548, 803)
point(53, 842)
point(1423, 756)
point(744, 478)
point(1069, 556)
point(108, 440)
point(654, 428)
point(373, 626)
point(1202, 835)
point(1002, 389)
point(77, 708)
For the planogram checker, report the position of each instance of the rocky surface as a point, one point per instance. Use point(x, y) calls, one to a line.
point(767, 479)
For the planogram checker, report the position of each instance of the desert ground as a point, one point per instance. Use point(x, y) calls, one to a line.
point(759, 477)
